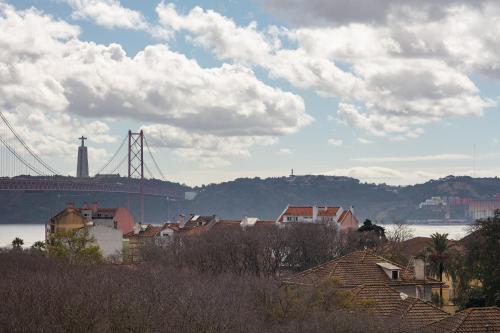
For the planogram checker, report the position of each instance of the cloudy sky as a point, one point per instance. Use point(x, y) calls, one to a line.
point(394, 91)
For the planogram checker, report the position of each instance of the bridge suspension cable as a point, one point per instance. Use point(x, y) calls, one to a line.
point(154, 160)
point(26, 148)
point(120, 164)
point(113, 157)
point(21, 159)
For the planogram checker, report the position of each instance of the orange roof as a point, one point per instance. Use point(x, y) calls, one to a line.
point(308, 211)
point(194, 231)
point(298, 211)
point(328, 211)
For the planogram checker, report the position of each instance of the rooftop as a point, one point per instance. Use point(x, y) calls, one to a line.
point(409, 313)
point(308, 211)
point(355, 269)
point(473, 320)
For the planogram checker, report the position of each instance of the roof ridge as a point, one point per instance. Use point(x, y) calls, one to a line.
point(463, 319)
point(411, 305)
point(335, 264)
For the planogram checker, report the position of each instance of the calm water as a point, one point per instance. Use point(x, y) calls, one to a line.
point(421, 230)
point(31, 233)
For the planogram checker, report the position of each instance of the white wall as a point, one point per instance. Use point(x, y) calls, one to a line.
point(110, 240)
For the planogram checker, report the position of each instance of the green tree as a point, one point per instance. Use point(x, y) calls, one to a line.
point(17, 243)
point(376, 229)
point(482, 257)
point(371, 236)
point(439, 256)
point(75, 245)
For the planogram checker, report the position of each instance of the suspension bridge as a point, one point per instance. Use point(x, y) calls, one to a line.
point(23, 169)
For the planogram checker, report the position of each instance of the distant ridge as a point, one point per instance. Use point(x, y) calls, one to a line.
point(264, 198)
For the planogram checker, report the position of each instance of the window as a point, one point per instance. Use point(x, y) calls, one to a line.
point(395, 275)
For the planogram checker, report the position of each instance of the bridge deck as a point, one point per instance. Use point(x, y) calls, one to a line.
point(8, 184)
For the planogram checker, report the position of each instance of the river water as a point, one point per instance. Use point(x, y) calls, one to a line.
point(31, 233)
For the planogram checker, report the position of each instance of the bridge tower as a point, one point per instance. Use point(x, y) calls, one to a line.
point(136, 164)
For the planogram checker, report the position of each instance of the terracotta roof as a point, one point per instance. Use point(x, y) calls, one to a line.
point(150, 231)
point(194, 231)
point(473, 320)
point(327, 211)
point(408, 312)
point(308, 211)
point(415, 246)
point(354, 269)
point(345, 214)
point(223, 225)
point(298, 211)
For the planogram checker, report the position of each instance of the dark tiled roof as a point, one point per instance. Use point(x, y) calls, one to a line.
point(355, 269)
point(409, 313)
point(473, 320)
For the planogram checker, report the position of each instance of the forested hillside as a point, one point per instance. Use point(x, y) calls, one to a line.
point(263, 198)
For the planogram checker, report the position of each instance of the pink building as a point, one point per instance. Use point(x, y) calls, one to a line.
point(119, 218)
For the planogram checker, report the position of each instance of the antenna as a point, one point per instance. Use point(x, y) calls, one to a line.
point(474, 160)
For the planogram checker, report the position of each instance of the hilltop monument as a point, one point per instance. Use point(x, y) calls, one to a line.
point(82, 168)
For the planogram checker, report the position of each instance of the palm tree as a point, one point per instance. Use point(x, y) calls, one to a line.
point(17, 243)
point(439, 256)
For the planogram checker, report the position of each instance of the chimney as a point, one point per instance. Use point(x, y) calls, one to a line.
point(352, 209)
point(182, 222)
point(315, 213)
point(419, 266)
point(94, 207)
point(85, 205)
point(70, 205)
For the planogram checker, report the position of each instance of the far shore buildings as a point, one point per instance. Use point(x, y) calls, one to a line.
point(344, 219)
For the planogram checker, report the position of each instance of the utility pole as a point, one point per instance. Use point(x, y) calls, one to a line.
point(136, 164)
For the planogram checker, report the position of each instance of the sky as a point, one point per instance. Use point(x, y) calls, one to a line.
point(388, 91)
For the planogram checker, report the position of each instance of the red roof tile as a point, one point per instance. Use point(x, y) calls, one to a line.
point(150, 231)
point(473, 320)
point(354, 269)
point(308, 211)
point(408, 312)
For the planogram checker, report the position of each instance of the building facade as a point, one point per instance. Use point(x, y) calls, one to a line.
point(344, 219)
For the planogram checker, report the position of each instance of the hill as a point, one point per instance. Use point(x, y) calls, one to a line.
point(263, 198)
point(266, 198)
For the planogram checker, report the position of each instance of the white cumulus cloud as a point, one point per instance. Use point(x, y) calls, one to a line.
point(62, 85)
point(410, 69)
